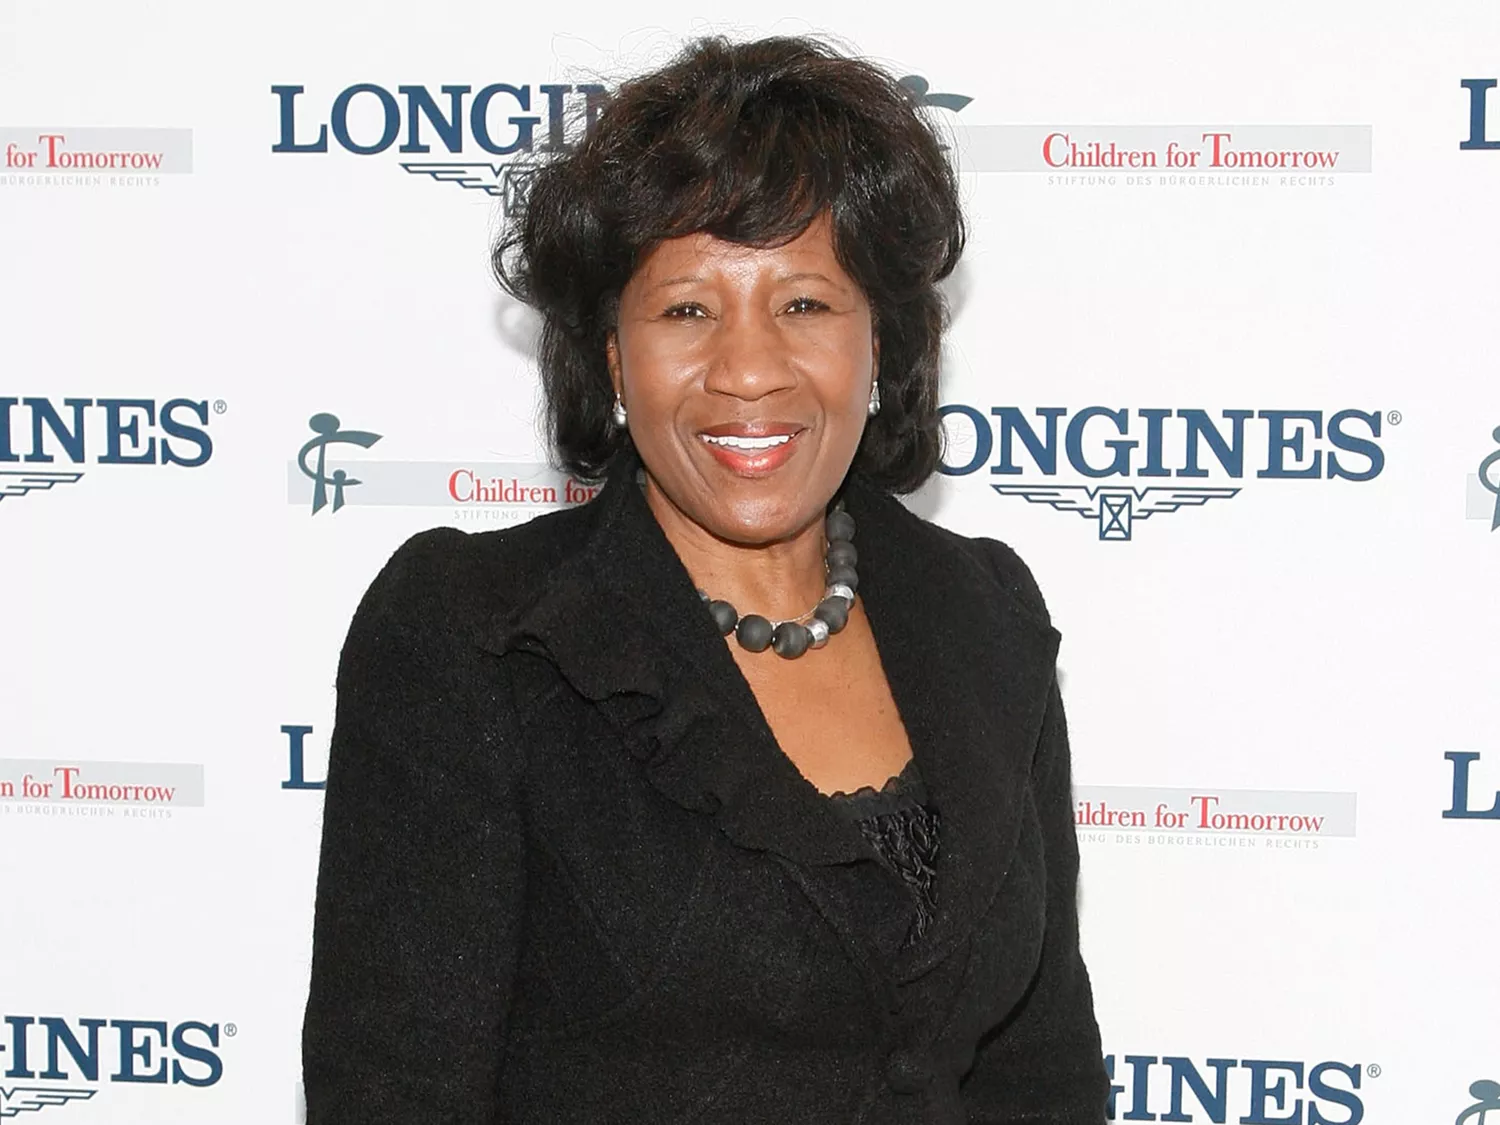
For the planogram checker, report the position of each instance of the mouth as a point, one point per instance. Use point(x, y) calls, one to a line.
point(752, 449)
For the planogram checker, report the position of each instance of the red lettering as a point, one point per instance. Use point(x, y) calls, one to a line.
point(68, 774)
point(1203, 807)
point(52, 140)
point(1047, 149)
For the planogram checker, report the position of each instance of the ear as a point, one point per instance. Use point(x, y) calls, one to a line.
point(612, 360)
point(874, 354)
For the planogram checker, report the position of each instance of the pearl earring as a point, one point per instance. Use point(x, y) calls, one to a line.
point(874, 399)
point(617, 412)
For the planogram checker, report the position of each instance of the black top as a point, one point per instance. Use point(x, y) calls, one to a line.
point(568, 875)
point(903, 827)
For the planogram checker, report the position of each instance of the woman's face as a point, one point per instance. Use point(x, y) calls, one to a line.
point(746, 375)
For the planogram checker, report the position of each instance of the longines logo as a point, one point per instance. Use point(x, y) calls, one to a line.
point(105, 431)
point(59, 1059)
point(1460, 809)
point(296, 752)
point(1178, 452)
point(505, 125)
point(1479, 90)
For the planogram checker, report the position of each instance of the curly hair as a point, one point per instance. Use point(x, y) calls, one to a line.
point(749, 142)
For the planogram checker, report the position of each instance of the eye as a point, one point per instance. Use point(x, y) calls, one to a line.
point(806, 305)
point(684, 311)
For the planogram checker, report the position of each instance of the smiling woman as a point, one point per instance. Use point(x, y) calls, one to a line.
point(598, 846)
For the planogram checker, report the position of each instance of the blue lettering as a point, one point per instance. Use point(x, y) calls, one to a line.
point(184, 432)
point(58, 1032)
point(7, 452)
point(1278, 443)
point(556, 123)
point(131, 1050)
point(1261, 1093)
point(296, 770)
point(116, 428)
point(450, 129)
point(1479, 90)
point(1461, 760)
point(1120, 466)
point(1362, 447)
point(479, 119)
point(1346, 1098)
point(389, 108)
point(1215, 1104)
point(288, 96)
point(1013, 423)
point(1155, 422)
point(1140, 1066)
point(18, 1067)
point(594, 97)
point(1230, 454)
point(70, 440)
point(195, 1053)
point(984, 441)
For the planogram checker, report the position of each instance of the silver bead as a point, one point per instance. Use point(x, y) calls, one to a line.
point(819, 630)
point(839, 590)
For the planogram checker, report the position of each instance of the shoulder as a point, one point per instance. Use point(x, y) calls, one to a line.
point(1009, 570)
point(987, 561)
point(448, 580)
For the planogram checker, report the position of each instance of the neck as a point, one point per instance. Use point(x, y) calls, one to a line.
point(779, 580)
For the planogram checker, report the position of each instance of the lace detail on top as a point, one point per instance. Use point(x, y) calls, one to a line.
point(903, 829)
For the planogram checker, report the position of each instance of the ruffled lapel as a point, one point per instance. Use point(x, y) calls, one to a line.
point(969, 663)
point(624, 625)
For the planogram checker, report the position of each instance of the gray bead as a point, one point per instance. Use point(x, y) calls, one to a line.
point(834, 612)
point(839, 525)
point(841, 553)
point(790, 640)
point(818, 630)
point(754, 632)
point(725, 616)
point(843, 576)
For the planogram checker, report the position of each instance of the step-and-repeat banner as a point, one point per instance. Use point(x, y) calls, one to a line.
point(1225, 369)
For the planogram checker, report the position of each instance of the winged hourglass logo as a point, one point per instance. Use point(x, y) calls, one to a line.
point(16, 1100)
point(1116, 509)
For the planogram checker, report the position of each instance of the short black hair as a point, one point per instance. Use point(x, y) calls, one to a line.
point(749, 142)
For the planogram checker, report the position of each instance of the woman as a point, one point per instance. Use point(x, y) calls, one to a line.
point(677, 806)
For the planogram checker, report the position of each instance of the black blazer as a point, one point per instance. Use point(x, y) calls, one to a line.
point(568, 875)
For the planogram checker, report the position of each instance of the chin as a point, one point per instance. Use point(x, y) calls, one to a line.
point(765, 520)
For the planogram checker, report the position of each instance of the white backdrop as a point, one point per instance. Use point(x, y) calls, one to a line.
point(1264, 679)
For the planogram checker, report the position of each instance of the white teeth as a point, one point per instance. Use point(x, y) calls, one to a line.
point(750, 443)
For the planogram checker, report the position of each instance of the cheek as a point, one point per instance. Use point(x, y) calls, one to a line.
point(845, 366)
point(656, 366)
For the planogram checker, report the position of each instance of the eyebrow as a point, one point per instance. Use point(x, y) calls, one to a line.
point(686, 279)
point(808, 275)
point(780, 279)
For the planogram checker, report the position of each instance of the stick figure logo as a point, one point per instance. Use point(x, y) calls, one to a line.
point(326, 426)
point(1489, 476)
point(1488, 1094)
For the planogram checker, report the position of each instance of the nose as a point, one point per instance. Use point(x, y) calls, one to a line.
point(751, 357)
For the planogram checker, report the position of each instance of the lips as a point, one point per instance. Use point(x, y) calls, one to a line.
point(751, 448)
